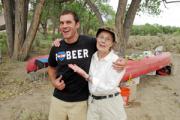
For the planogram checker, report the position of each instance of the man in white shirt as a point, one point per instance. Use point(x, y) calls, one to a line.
point(104, 102)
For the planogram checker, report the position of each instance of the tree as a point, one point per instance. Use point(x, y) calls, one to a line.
point(50, 12)
point(124, 21)
point(125, 16)
point(20, 41)
point(96, 11)
point(15, 14)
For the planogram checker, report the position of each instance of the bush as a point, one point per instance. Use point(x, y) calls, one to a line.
point(3, 43)
point(170, 43)
point(153, 30)
point(42, 44)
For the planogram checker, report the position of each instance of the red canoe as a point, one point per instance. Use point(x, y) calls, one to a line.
point(32, 64)
point(134, 68)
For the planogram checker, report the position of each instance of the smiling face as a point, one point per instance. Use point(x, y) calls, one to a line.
point(104, 42)
point(68, 27)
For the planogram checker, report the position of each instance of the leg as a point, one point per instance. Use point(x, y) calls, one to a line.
point(58, 110)
point(93, 106)
point(112, 108)
point(77, 110)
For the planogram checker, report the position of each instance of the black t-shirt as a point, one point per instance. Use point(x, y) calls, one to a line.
point(79, 53)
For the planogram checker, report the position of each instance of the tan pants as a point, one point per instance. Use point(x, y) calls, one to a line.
point(106, 109)
point(60, 110)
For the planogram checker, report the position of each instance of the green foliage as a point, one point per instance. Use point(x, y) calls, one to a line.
point(109, 15)
point(88, 19)
point(105, 9)
point(152, 30)
point(43, 41)
point(89, 22)
point(51, 10)
point(32, 5)
point(151, 7)
point(177, 33)
point(3, 43)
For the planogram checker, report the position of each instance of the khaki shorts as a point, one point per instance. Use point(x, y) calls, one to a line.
point(61, 110)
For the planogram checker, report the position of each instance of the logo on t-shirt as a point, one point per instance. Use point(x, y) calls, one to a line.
point(60, 56)
point(73, 54)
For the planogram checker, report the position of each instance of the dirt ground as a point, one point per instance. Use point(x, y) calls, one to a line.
point(21, 98)
point(158, 97)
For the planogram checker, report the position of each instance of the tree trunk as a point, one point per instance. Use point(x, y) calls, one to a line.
point(96, 11)
point(8, 6)
point(120, 15)
point(26, 8)
point(32, 31)
point(20, 25)
point(124, 23)
point(130, 16)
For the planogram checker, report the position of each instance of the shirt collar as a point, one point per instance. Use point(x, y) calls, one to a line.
point(106, 58)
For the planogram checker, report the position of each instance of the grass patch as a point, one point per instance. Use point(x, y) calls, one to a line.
point(170, 43)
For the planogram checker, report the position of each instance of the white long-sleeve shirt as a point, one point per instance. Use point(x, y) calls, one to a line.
point(105, 80)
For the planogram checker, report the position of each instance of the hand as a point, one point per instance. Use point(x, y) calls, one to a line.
point(59, 83)
point(119, 64)
point(56, 42)
point(78, 70)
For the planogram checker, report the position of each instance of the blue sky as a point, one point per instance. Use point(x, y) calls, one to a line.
point(169, 17)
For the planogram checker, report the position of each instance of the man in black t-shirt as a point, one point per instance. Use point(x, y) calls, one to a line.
point(70, 96)
point(78, 53)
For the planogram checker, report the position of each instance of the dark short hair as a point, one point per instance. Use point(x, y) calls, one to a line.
point(107, 29)
point(65, 12)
